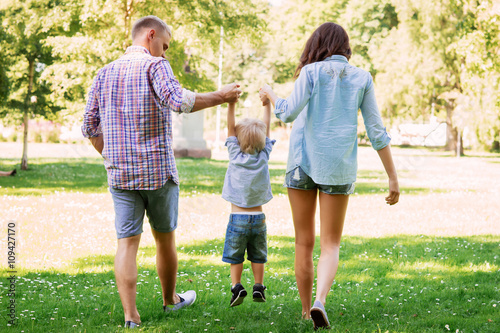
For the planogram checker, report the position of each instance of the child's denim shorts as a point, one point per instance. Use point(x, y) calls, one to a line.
point(246, 231)
point(299, 180)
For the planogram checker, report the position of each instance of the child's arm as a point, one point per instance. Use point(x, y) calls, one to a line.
point(230, 120)
point(267, 118)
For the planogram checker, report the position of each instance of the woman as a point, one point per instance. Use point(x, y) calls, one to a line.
point(322, 158)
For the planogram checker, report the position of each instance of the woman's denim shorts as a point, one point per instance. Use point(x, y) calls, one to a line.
point(299, 180)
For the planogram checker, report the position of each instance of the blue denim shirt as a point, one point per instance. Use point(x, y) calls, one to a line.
point(324, 104)
point(247, 183)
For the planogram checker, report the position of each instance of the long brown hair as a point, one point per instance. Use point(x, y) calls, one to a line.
point(329, 39)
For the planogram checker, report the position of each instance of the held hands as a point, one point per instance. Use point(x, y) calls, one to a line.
point(231, 93)
point(264, 94)
point(393, 196)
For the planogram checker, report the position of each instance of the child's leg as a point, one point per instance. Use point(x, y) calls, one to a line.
point(258, 272)
point(236, 271)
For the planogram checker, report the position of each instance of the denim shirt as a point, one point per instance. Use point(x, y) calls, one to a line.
point(247, 183)
point(324, 104)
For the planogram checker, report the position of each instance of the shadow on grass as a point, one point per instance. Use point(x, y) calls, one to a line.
point(398, 284)
point(197, 176)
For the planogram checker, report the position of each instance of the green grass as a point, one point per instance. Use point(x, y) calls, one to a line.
point(393, 284)
point(197, 176)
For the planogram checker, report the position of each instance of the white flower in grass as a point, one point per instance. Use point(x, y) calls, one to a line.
point(447, 327)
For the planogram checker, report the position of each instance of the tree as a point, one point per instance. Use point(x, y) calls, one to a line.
point(104, 31)
point(28, 56)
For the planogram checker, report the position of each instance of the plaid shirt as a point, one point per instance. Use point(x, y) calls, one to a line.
point(130, 103)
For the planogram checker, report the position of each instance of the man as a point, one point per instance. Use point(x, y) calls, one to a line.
point(128, 120)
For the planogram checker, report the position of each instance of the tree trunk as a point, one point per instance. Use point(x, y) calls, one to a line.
point(128, 11)
point(451, 131)
point(27, 104)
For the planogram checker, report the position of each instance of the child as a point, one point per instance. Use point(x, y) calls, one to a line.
point(247, 186)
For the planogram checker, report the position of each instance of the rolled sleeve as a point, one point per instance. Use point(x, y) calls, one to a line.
point(371, 116)
point(91, 119)
point(188, 99)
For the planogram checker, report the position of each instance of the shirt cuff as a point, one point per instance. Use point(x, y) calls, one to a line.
point(280, 106)
point(188, 99)
point(91, 133)
point(381, 142)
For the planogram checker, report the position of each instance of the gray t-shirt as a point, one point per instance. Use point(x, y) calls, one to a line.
point(247, 183)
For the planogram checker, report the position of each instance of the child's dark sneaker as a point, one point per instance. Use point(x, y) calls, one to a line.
point(258, 293)
point(239, 294)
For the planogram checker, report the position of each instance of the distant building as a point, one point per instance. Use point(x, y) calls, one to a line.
point(432, 134)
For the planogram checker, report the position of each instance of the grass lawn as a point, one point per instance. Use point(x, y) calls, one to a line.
point(403, 283)
point(393, 284)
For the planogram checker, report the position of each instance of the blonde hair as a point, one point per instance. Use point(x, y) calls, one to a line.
point(251, 134)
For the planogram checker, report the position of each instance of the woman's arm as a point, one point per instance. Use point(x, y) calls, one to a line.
point(230, 120)
point(386, 158)
point(288, 109)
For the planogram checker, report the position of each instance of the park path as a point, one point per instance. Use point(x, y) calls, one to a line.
point(461, 199)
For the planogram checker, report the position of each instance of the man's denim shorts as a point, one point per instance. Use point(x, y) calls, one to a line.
point(246, 231)
point(298, 179)
point(161, 206)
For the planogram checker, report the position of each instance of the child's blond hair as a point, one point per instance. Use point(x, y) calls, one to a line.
point(251, 134)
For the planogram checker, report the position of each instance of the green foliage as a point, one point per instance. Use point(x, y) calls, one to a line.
point(444, 53)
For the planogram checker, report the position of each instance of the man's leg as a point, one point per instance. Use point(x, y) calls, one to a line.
point(166, 264)
point(126, 275)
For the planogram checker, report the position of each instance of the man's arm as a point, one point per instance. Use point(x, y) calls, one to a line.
point(98, 143)
point(230, 120)
point(228, 94)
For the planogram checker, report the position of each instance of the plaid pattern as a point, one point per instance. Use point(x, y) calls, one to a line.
point(130, 103)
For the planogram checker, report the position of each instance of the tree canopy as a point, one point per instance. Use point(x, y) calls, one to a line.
point(427, 58)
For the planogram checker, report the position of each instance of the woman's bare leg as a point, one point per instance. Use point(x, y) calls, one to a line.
point(332, 214)
point(303, 204)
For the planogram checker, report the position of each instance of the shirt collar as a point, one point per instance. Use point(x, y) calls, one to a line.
point(337, 57)
point(137, 48)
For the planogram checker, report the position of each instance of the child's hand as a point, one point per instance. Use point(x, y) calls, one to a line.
point(264, 99)
point(263, 94)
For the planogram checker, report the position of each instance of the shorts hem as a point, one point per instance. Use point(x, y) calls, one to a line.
point(258, 261)
point(127, 236)
point(298, 188)
point(229, 261)
point(170, 230)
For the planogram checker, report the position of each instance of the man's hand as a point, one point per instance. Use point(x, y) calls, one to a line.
point(231, 93)
point(98, 143)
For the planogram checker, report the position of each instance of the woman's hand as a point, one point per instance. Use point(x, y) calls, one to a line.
point(393, 196)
